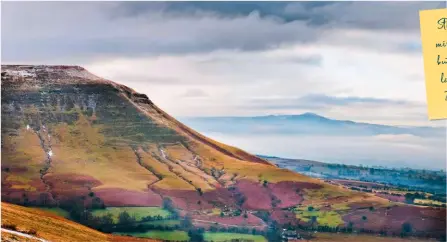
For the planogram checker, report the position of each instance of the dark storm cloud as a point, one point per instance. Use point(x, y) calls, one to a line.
point(35, 30)
point(229, 9)
point(393, 15)
point(47, 32)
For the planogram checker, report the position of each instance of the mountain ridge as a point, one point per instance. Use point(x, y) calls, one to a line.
point(309, 115)
point(131, 95)
point(306, 123)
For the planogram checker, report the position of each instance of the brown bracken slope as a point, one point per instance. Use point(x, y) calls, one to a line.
point(50, 227)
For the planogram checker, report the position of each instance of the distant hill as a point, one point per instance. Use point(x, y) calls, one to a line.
point(427, 180)
point(306, 123)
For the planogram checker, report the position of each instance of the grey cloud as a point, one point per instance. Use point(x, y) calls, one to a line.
point(47, 30)
point(331, 100)
point(164, 81)
point(194, 93)
point(366, 15)
point(303, 59)
point(319, 102)
point(314, 60)
point(73, 31)
point(393, 15)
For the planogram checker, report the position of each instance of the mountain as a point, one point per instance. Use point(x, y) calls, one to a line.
point(302, 124)
point(89, 146)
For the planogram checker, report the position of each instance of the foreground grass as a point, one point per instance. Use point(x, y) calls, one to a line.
point(221, 237)
point(138, 212)
point(175, 235)
point(51, 227)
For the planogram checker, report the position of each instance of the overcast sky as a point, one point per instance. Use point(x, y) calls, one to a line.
point(360, 61)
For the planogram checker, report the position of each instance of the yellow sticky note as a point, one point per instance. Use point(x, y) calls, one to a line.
point(434, 48)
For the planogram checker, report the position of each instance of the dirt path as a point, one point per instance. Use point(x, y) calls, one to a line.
point(23, 235)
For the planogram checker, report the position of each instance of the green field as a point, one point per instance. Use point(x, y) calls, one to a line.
point(56, 211)
point(138, 212)
point(167, 223)
point(175, 235)
point(327, 218)
point(221, 237)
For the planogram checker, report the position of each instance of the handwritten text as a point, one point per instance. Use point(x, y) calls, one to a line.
point(442, 23)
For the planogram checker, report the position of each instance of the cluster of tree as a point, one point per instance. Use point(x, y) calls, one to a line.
point(391, 193)
point(264, 215)
point(273, 232)
point(275, 201)
point(439, 197)
point(82, 215)
point(157, 217)
point(196, 234)
point(128, 223)
point(168, 205)
point(410, 197)
point(265, 183)
point(240, 197)
point(360, 189)
point(234, 229)
point(217, 173)
point(43, 200)
point(199, 190)
point(406, 229)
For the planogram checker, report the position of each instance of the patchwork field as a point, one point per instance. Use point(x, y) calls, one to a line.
point(324, 218)
point(161, 235)
point(223, 237)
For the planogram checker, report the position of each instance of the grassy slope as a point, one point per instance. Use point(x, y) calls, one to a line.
point(52, 227)
point(126, 144)
point(89, 145)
